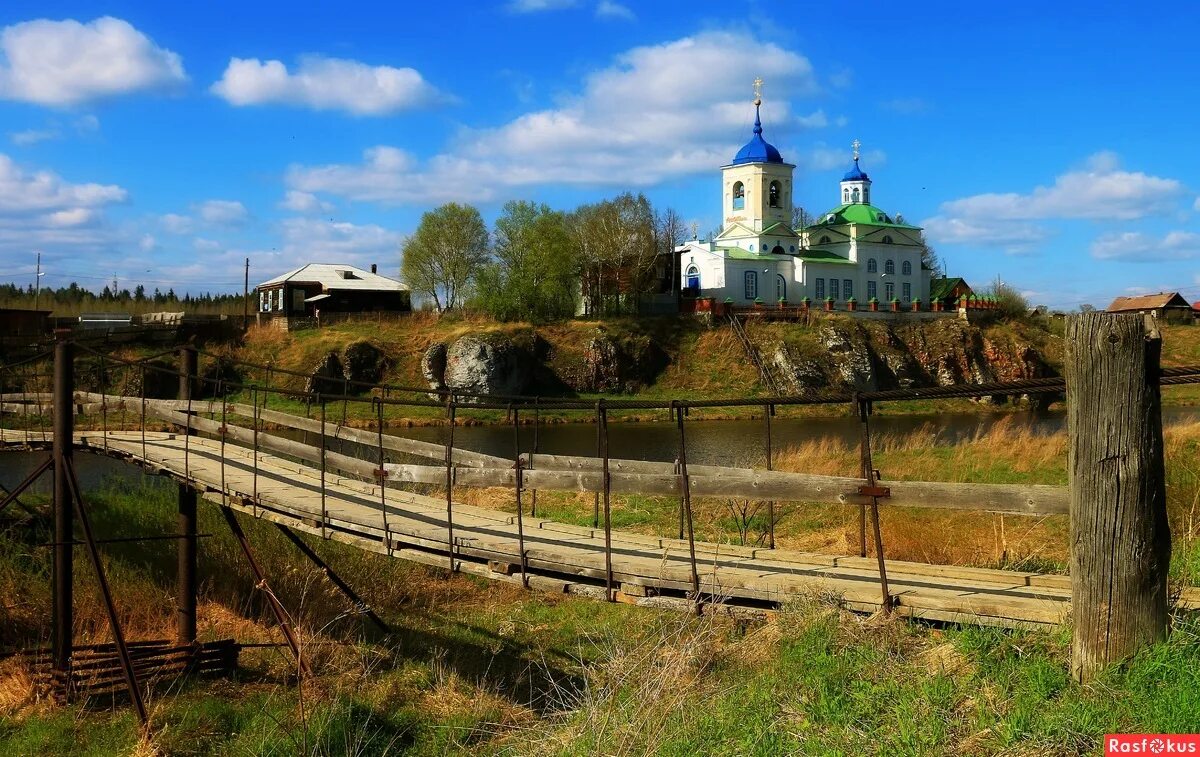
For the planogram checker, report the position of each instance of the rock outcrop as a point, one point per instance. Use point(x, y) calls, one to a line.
point(625, 365)
point(481, 364)
point(363, 362)
point(326, 377)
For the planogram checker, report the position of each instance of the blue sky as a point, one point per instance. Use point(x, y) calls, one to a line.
point(1048, 145)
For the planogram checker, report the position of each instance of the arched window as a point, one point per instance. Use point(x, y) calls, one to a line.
point(773, 198)
point(887, 240)
point(889, 267)
point(777, 249)
point(780, 287)
point(854, 195)
point(751, 285)
point(825, 240)
point(906, 268)
point(845, 195)
point(693, 277)
point(872, 266)
point(739, 196)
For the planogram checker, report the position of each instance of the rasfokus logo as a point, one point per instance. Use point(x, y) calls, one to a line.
point(1151, 743)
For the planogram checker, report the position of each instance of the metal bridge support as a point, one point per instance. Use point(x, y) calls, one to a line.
point(64, 521)
point(1120, 537)
point(186, 567)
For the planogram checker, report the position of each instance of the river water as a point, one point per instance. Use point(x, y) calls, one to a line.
point(735, 443)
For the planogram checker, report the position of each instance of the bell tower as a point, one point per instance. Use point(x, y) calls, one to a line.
point(756, 186)
point(856, 185)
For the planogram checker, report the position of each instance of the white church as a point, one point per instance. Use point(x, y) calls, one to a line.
point(854, 250)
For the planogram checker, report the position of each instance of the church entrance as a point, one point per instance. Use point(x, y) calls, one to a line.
point(693, 277)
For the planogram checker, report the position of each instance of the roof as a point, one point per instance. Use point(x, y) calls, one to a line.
point(940, 289)
point(333, 276)
point(859, 212)
point(823, 256)
point(737, 253)
point(757, 150)
point(856, 174)
point(1148, 302)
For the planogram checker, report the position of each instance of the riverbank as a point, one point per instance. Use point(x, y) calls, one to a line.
point(473, 667)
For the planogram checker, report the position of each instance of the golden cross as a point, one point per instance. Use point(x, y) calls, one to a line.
point(856, 144)
point(758, 82)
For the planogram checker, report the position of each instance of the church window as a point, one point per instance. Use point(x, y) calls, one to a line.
point(833, 288)
point(693, 277)
point(872, 291)
point(845, 195)
point(824, 240)
point(889, 291)
point(848, 288)
point(854, 195)
point(773, 194)
point(739, 196)
point(907, 289)
point(751, 247)
point(887, 240)
point(792, 248)
point(906, 268)
point(777, 249)
point(872, 266)
point(820, 289)
point(889, 267)
point(751, 285)
point(780, 287)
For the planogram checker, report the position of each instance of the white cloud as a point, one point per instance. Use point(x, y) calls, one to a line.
point(304, 202)
point(336, 242)
point(66, 62)
point(24, 192)
point(1100, 190)
point(1196, 204)
point(33, 136)
point(326, 84)
point(147, 243)
point(610, 9)
point(222, 212)
point(175, 223)
point(537, 6)
point(634, 123)
point(1138, 247)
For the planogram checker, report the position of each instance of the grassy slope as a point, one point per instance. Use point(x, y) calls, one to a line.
point(488, 669)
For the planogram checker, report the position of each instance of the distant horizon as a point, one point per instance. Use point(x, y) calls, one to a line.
point(136, 143)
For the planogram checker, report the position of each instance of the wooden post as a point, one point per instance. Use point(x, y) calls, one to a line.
point(63, 570)
point(1120, 538)
point(186, 548)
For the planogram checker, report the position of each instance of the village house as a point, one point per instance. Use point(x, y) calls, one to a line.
point(1168, 306)
point(855, 251)
point(328, 290)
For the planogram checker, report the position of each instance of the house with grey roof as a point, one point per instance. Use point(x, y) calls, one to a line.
point(329, 288)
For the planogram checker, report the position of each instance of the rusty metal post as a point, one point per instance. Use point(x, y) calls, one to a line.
point(768, 411)
point(681, 516)
point(875, 492)
point(324, 517)
point(519, 482)
point(260, 582)
point(867, 471)
point(64, 526)
point(606, 483)
point(382, 475)
point(254, 453)
point(537, 418)
point(114, 624)
point(185, 575)
point(687, 502)
point(450, 408)
point(189, 359)
point(596, 499)
point(359, 605)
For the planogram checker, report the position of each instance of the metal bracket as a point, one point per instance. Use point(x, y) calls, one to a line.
point(380, 473)
point(874, 491)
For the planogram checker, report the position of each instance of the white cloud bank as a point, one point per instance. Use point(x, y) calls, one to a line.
point(326, 84)
point(1100, 190)
point(1139, 247)
point(63, 63)
point(637, 122)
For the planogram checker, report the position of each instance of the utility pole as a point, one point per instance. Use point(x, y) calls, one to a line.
point(37, 282)
point(246, 298)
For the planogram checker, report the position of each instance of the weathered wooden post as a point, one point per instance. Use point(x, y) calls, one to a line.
point(1120, 538)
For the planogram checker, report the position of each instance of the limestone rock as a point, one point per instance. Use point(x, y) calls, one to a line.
point(363, 361)
point(433, 367)
point(487, 365)
point(799, 375)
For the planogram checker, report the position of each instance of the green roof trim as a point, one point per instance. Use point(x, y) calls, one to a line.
point(939, 289)
point(859, 213)
point(823, 256)
point(737, 253)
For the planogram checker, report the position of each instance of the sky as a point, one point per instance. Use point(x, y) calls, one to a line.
point(163, 143)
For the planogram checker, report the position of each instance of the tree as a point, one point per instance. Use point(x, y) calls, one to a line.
point(929, 259)
point(139, 293)
point(445, 253)
point(1010, 302)
point(534, 273)
point(616, 243)
point(669, 233)
point(801, 217)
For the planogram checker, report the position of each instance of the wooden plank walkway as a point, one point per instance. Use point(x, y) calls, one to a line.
point(567, 558)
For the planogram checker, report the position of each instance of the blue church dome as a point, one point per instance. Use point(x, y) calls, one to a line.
point(757, 150)
point(856, 173)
